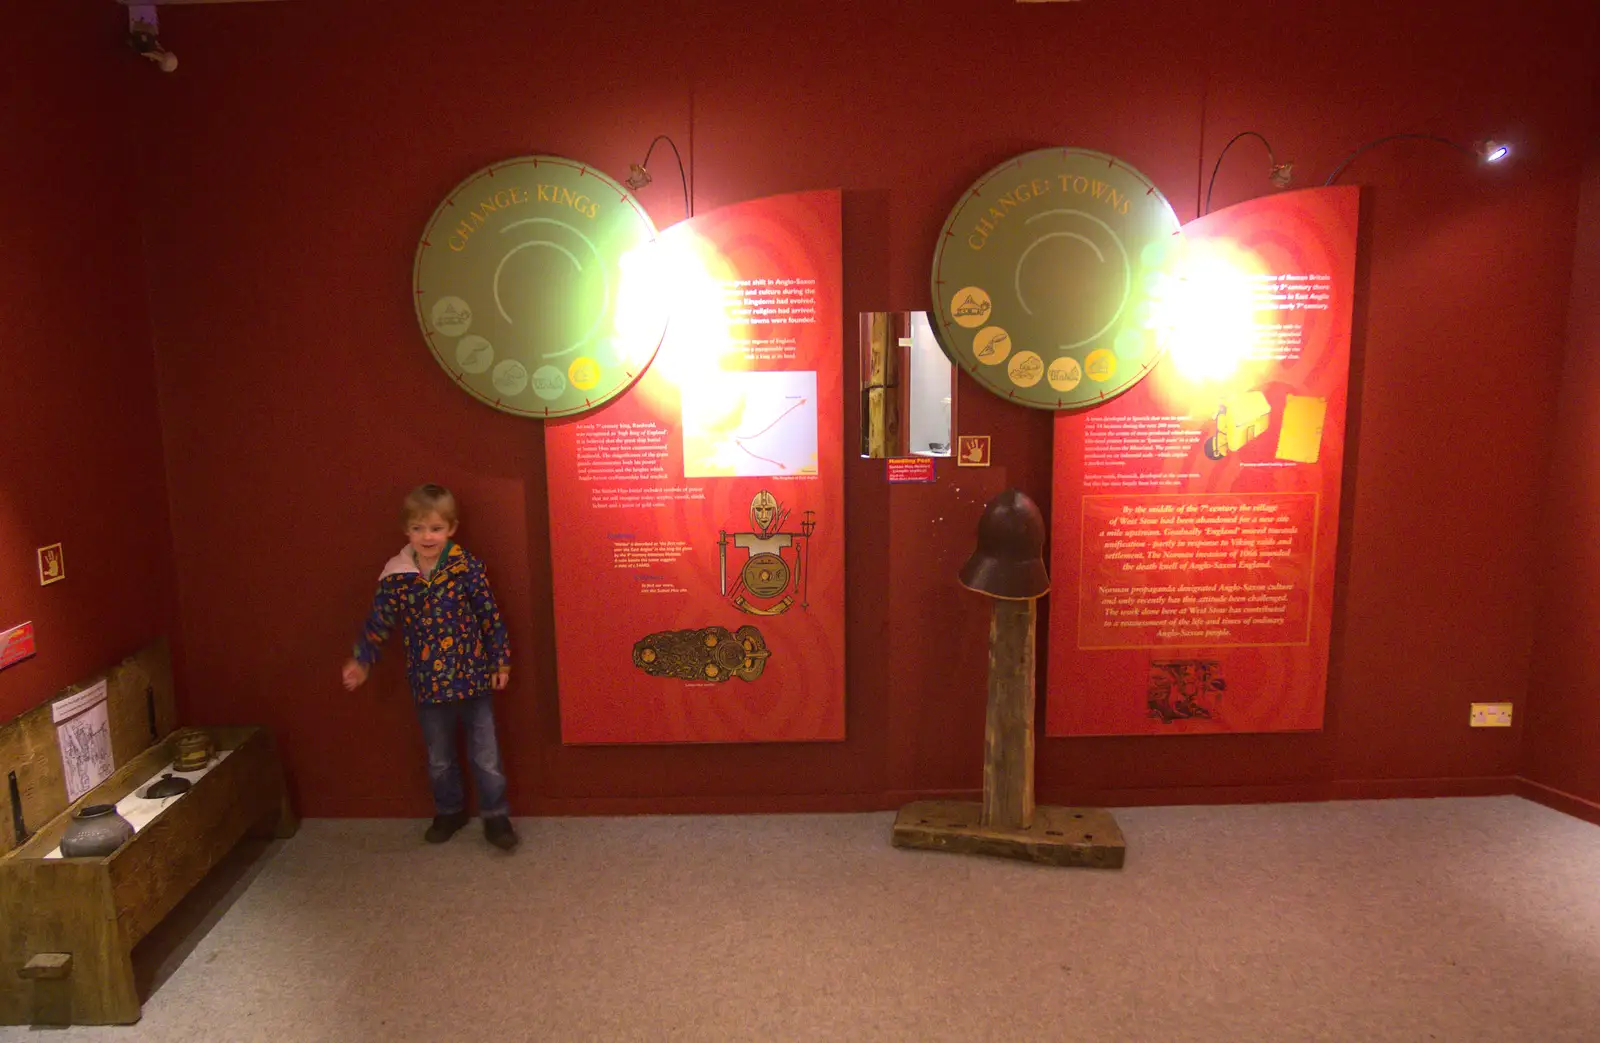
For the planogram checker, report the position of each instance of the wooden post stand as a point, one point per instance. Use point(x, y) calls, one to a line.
point(1008, 732)
point(1006, 823)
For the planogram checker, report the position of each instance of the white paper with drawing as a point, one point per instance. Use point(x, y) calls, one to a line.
point(83, 731)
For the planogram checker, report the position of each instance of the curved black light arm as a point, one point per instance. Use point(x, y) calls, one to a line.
point(1272, 159)
point(1395, 137)
point(687, 212)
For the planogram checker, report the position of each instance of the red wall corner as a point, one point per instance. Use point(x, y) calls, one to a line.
point(80, 452)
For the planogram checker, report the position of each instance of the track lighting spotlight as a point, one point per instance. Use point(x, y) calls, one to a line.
point(1493, 151)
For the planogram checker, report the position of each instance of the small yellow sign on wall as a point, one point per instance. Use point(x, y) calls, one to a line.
point(972, 451)
point(1491, 715)
point(52, 565)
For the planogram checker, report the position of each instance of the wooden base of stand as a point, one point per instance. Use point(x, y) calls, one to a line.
point(1087, 837)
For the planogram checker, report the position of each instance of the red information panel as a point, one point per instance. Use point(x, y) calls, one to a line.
point(697, 522)
point(16, 645)
point(1195, 517)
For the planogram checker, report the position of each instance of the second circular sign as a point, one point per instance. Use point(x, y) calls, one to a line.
point(1043, 275)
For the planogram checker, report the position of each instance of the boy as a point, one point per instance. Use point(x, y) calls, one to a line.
point(457, 652)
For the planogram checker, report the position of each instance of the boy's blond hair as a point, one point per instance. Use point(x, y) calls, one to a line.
point(426, 499)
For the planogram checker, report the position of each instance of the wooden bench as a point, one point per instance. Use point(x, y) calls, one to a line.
point(68, 925)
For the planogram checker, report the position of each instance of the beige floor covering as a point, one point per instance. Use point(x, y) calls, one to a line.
point(1451, 920)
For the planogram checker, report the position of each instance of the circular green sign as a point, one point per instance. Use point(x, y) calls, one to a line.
point(1043, 278)
point(534, 290)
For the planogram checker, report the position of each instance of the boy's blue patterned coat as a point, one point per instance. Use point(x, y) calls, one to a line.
point(449, 625)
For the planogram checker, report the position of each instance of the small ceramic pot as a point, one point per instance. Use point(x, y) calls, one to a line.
point(193, 750)
point(95, 831)
point(168, 786)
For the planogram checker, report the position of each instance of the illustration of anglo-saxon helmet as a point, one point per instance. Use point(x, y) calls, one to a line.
point(763, 511)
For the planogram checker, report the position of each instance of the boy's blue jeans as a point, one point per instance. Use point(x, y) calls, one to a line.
point(439, 723)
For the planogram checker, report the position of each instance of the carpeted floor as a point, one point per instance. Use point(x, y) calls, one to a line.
point(1364, 922)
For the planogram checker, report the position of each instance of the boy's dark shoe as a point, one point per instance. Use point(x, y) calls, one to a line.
point(444, 827)
point(498, 831)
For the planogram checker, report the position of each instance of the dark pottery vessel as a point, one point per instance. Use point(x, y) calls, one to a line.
point(95, 831)
point(169, 785)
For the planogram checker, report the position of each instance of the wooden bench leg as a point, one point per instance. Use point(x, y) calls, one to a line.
point(51, 974)
point(73, 967)
point(96, 990)
point(115, 996)
point(103, 988)
point(287, 823)
point(280, 823)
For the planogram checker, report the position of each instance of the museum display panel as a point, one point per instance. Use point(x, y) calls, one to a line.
point(697, 530)
point(1195, 518)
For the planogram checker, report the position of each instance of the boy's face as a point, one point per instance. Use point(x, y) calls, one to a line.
point(428, 533)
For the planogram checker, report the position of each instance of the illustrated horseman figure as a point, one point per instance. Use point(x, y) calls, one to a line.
point(773, 574)
point(1185, 688)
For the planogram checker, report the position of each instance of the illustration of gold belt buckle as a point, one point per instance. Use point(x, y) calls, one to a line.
point(707, 654)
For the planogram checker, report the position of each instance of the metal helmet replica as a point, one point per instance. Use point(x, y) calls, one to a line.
point(1009, 561)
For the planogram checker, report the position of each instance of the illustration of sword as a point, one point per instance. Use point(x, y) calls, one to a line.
point(808, 525)
point(722, 560)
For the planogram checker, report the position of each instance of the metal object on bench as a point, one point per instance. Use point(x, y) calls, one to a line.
point(169, 785)
point(18, 828)
point(194, 749)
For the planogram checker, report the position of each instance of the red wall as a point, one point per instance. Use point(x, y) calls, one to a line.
point(80, 442)
point(294, 158)
point(1561, 757)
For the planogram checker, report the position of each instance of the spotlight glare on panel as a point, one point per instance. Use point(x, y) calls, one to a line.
point(1204, 310)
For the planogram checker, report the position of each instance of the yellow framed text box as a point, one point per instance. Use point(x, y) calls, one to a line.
point(1300, 437)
